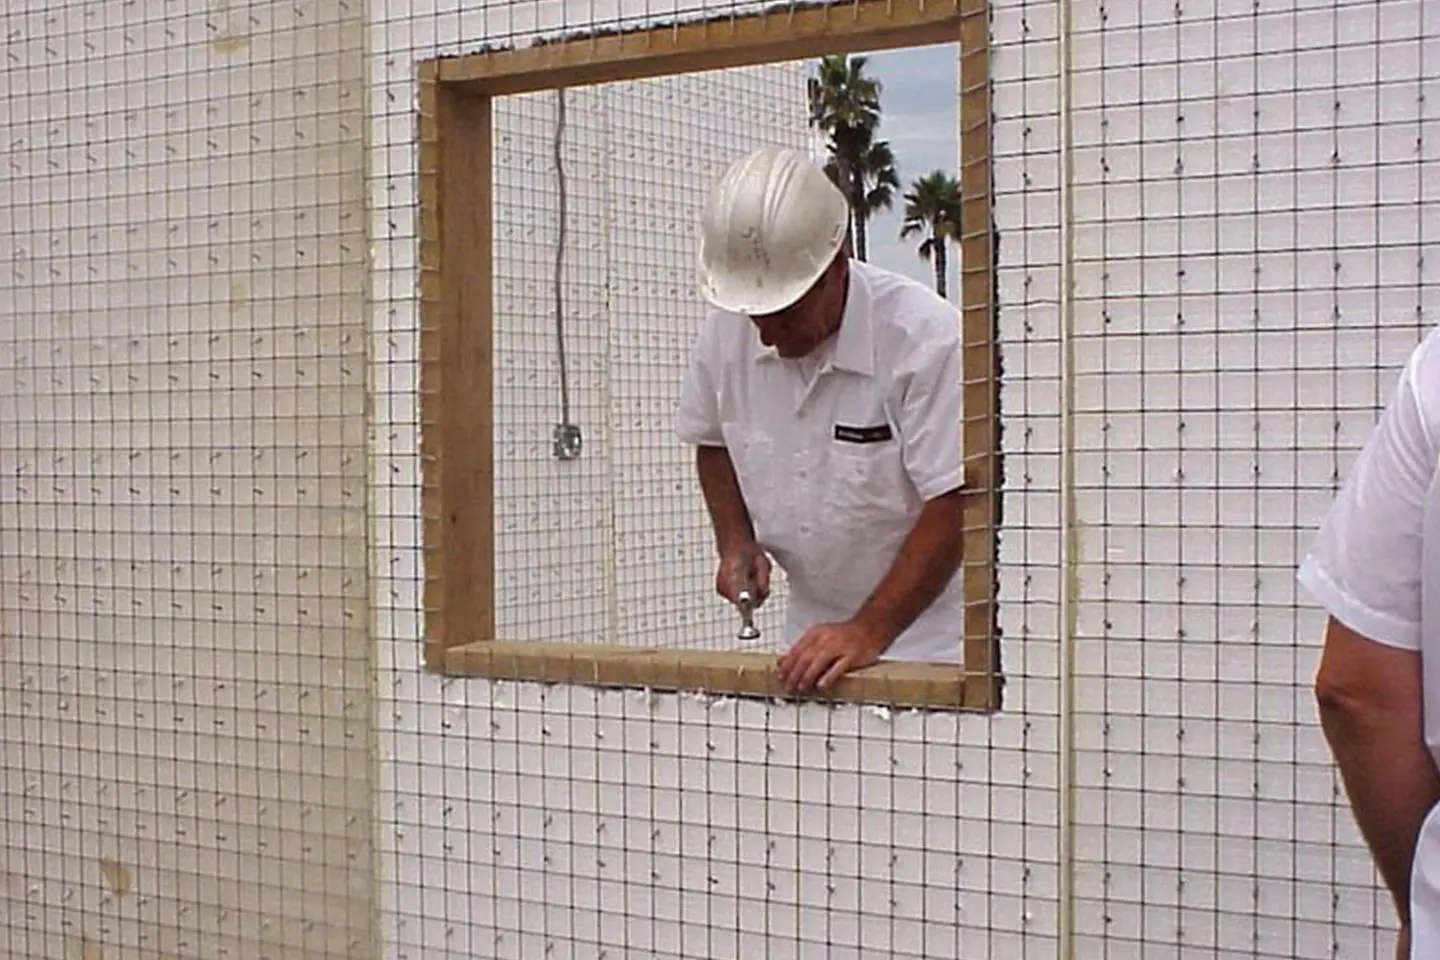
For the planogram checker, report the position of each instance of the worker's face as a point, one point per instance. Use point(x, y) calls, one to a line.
point(809, 321)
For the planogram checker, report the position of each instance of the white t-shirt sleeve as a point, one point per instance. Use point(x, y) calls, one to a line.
point(697, 420)
point(1365, 564)
point(929, 415)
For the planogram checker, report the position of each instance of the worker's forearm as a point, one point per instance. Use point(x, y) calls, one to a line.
point(1390, 779)
point(924, 566)
point(728, 515)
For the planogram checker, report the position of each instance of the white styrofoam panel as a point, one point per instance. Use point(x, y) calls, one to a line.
point(185, 665)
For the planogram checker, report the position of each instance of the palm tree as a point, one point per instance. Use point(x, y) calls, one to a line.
point(871, 187)
point(845, 104)
point(933, 206)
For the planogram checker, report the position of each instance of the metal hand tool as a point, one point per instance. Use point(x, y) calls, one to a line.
point(746, 603)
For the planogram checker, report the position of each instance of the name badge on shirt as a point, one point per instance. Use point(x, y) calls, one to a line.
point(877, 434)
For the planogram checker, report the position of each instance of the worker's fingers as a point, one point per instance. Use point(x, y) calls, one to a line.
point(746, 569)
point(804, 663)
point(785, 666)
point(725, 584)
point(838, 668)
point(818, 664)
point(821, 656)
point(731, 578)
point(782, 667)
point(761, 577)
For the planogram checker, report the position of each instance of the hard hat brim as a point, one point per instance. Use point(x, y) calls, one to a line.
point(759, 298)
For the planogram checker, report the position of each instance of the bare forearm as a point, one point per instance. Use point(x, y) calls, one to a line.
point(728, 515)
point(924, 566)
point(1389, 778)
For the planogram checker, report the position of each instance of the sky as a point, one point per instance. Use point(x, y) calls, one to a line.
point(919, 116)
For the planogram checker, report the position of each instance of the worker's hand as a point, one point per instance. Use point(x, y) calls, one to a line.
point(747, 566)
point(1402, 943)
point(826, 652)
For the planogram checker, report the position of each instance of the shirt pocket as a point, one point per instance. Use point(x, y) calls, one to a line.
point(864, 518)
point(869, 484)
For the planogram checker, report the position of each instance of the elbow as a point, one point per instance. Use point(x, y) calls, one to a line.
point(1341, 692)
point(1368, 695)
point(1334, 698)
point(1329, 687)
point(1358, 680)
point(1347, 715)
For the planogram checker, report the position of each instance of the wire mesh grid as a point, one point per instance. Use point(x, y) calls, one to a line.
point(190, 765)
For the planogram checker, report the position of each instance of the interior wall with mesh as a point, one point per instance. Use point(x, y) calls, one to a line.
point(185, 663)
point(608, 547)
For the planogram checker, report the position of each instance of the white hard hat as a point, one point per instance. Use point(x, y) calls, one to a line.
point(771, 226)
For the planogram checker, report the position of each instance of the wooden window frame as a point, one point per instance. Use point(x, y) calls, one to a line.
point(457, 325)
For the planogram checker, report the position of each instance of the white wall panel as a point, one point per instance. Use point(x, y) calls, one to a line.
point(185, 664)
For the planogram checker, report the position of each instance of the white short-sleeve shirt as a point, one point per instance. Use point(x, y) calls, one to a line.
point(1375, 566)
point(837, 453)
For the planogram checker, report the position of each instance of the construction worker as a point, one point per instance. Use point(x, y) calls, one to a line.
point(1375, 566)
point(823, 400)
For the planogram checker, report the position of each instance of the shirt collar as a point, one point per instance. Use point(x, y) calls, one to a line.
point(853, 348)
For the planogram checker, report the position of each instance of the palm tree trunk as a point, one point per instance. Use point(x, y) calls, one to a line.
point(938, 257)
point(857, 207)
point(842, 177)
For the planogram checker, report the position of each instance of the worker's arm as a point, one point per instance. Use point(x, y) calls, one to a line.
point(926, 563)
point(1371, 710)
point(742, 561)
point(697, 422)
point(928, 416)
point(1366, 568)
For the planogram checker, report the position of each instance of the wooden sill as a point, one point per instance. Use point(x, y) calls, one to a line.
point(931, 686)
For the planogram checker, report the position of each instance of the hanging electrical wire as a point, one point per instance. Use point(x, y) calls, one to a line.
point(566, 435)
